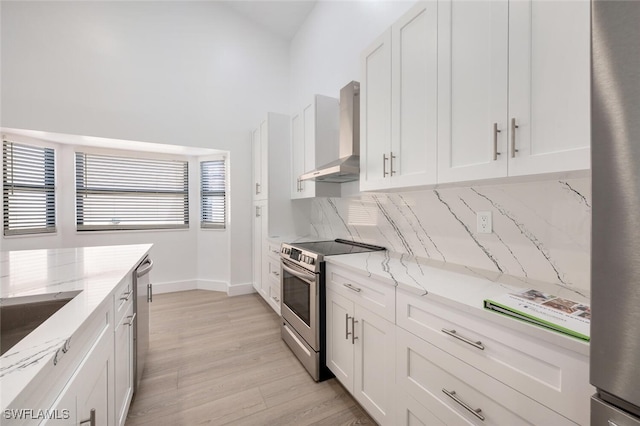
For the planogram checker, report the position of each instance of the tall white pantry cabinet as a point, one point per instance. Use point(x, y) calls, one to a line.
point(272, 208)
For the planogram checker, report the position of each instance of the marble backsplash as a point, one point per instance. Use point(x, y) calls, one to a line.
point(541, 230)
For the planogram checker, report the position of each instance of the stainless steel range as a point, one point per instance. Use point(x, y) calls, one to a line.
point(303, 298)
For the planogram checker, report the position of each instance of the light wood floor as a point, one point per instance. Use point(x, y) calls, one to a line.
point(219, 360)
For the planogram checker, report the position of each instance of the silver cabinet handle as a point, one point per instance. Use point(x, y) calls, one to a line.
point(391, 156)
point(453, 333)
point(384, 165)
point(142, 271)
point(514, 126)
point(495, 141)
point(352, 287)
point(125, 296)
point(276, 299)
point(257, 188)
point(131, 318)
point(475, 411)
point(353, 330)
point(149, 292)
point(346, 326)
point(277, 274)
point(257, 211)
point(92, 418)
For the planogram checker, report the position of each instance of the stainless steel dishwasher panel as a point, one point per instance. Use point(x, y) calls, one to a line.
point(143, 297)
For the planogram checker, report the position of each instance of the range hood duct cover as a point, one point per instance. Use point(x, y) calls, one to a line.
point(347, 167)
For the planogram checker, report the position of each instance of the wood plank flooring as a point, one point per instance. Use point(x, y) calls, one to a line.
point(219, 360)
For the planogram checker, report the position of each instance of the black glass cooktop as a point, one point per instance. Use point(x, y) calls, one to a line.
point(338, 246)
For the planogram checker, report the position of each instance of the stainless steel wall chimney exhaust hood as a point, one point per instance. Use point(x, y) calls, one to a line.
point(347, 167)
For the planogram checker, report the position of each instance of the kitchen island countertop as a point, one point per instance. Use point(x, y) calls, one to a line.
point(35, 275)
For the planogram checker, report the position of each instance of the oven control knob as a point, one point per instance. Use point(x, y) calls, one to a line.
point(311, 261)
point(305, 258)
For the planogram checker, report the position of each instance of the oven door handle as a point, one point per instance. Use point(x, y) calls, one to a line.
point(308, 278)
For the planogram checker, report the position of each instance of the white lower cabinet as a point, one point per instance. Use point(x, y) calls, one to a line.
point(123, 365)
point(360, 353)
point(456, 393)
point(554, 376)
point(88, 394)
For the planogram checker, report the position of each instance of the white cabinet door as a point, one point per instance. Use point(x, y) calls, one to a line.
point(375, 113)
point(307, 188)
point(258, 210)
point(90, 388)
point(340, 349)
point(264, 160)
point(472, 89)
point(297, 155)
point(549, 86)
point(414, 98)
point(374, 377)
point(123, 365)
point(257, 165)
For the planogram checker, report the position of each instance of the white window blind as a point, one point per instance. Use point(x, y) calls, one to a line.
point(119, 193)
point(213, 198)
point(28, 189)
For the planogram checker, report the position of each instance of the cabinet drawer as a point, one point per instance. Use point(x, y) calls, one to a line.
point(275, 297)
point(273, 269)
point(554, 376)
point(458, 394)
point(123, 298)
point(273, 250)
point(374, 295)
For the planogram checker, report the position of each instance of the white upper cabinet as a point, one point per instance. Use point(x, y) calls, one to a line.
point(314, 142)
point(472, 89)
point(297, 155)
point(375, 113)
point(414, 94)
point(399, 103)
point(513, 88)
point(549, 86)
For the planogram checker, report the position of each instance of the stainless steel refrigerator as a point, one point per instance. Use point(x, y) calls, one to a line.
point(615, 243)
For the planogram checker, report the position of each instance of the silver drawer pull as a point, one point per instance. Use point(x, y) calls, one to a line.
point(91, 420)
point(277, 274)
point(475, 411)
point(125, 296)
point(131, 318)
point(352, 287)
point(275, 299)
point(453, 333)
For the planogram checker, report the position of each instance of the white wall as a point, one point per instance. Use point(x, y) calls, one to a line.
point(184, 258)
point(325, 53)
point(186, 73)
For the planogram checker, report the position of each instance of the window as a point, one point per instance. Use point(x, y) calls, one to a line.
point(213, 198)
point(28, 189)
point(117, 193)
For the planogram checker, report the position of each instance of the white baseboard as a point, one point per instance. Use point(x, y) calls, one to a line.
point(211, 285)
point(171, 287)
point(240, 289)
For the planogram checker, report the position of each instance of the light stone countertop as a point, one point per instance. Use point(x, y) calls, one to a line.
point(34, 275)
point(460, 287)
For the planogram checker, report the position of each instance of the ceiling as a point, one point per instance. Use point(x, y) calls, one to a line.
point(283, 18)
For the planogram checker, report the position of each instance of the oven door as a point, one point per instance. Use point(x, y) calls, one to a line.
point(300, 301)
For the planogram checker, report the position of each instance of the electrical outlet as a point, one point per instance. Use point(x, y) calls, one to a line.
point(485, 225)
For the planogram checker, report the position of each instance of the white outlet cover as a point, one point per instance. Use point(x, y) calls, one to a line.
point(484, 223)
